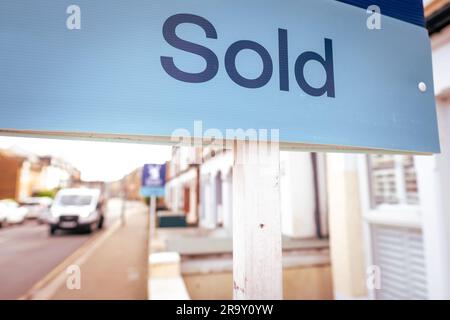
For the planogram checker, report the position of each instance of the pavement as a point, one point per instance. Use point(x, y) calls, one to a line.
point(112, 261)
point(114, 266)
point(198, 241)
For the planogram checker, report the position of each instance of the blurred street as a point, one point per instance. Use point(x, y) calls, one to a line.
point(28, 253)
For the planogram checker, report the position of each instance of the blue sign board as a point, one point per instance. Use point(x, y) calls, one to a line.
point(153, 180)
point(313, 69)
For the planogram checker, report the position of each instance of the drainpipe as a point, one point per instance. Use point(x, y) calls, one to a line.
point(316, 195)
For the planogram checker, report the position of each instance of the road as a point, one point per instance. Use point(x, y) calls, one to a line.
point(28, 253)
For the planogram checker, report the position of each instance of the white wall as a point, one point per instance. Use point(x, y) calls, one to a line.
point(434, 189)
point(346, 227)
point(297, 195)
point(441, 61)
point(434, 179)
point(210, 210)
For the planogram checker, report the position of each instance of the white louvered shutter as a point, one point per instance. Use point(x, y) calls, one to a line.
point(384, 189)
point(394, 180)
point(399, 254)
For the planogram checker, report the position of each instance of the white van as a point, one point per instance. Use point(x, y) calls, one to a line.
point(76, 209)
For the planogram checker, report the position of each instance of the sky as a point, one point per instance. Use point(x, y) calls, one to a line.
point(105, 161)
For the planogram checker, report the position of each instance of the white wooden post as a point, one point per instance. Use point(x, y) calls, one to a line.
point(227, 198)
point(257, 253)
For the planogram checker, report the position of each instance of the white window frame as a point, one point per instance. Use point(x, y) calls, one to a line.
point(402, 215)
point(399, 171)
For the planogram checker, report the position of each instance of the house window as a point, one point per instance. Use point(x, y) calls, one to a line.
point(399, 254)
point(395, 227)
point(393, 180)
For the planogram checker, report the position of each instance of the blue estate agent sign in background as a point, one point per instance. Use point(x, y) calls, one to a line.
point(310, 68)
point(153, 180)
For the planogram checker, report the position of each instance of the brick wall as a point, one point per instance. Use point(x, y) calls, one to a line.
point(9, 176)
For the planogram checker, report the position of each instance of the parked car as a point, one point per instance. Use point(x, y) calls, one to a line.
point(37, 207)
point(2, 219)
point(75, 209)
point(13, 212)
point(44, 216)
